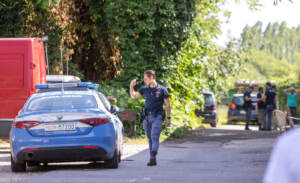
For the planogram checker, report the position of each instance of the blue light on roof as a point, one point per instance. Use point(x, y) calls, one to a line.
point(41, 86)
point(84, 84)
point(93, 86)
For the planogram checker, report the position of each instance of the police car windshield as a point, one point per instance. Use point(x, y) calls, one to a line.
point(62, 102)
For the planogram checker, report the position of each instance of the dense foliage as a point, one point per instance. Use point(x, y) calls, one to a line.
point(198, 65)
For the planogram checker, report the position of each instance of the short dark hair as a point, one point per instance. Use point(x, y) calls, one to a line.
point(150, 73)
point(274, 86)
point(251, 87)
point(269, 84)
point(260, 88)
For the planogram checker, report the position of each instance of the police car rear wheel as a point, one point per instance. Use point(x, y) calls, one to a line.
point(114, 162)
point(17, 167)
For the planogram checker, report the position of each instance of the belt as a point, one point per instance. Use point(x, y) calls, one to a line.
point(153, 113)
point(150, 113)
point(156, 113)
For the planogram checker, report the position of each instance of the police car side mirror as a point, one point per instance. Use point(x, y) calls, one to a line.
point(121, 110)
point(114, 109)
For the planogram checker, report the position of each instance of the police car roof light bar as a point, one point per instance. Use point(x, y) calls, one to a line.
point(89, 85)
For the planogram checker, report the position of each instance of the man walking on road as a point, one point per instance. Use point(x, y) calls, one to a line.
point(270, 101)
point(248, 106)
point(155, 96)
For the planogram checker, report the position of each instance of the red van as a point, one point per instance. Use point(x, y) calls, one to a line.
point(22, 66)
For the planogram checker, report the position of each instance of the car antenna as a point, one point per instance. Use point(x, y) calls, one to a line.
point(68, 67)
point(62, 68)
point(45, 40)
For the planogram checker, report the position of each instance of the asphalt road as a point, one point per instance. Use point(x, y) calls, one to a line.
point(209, 156)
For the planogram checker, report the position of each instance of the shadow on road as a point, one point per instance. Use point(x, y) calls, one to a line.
point(224, 133)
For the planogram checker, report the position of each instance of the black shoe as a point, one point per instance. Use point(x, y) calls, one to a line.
point(247, 128)
point(152, 162)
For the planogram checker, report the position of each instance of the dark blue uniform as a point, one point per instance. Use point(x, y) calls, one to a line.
point(154, 97)
point(248, 108)
point(270, 105)
point(154, 107)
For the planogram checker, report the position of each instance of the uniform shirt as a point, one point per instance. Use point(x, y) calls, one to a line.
point(249, 102)
point(260, 104)
point(154, 97)
point(292, 100)
point(284, 163)
point(270, 94)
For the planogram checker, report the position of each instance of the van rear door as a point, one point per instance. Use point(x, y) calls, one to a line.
point(15, 57)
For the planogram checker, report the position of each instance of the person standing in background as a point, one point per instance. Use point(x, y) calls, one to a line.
point(270, 100)
point(291, 101)
point(248, 106)
point(260, 106)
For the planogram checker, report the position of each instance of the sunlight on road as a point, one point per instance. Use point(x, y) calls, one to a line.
point(238, 127)
point(4, 154)
point(4, 162)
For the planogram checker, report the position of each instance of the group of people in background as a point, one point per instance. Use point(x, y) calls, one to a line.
point(267, 103)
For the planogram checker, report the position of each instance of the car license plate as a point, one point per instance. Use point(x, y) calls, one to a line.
point(242, 112)
point(60, 127)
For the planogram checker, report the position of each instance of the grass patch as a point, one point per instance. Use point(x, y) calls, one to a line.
point(223, 114)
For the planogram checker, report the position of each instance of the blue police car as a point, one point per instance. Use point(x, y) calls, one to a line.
point(65, 124)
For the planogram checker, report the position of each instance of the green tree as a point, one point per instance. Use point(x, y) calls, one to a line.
point(277, 39)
